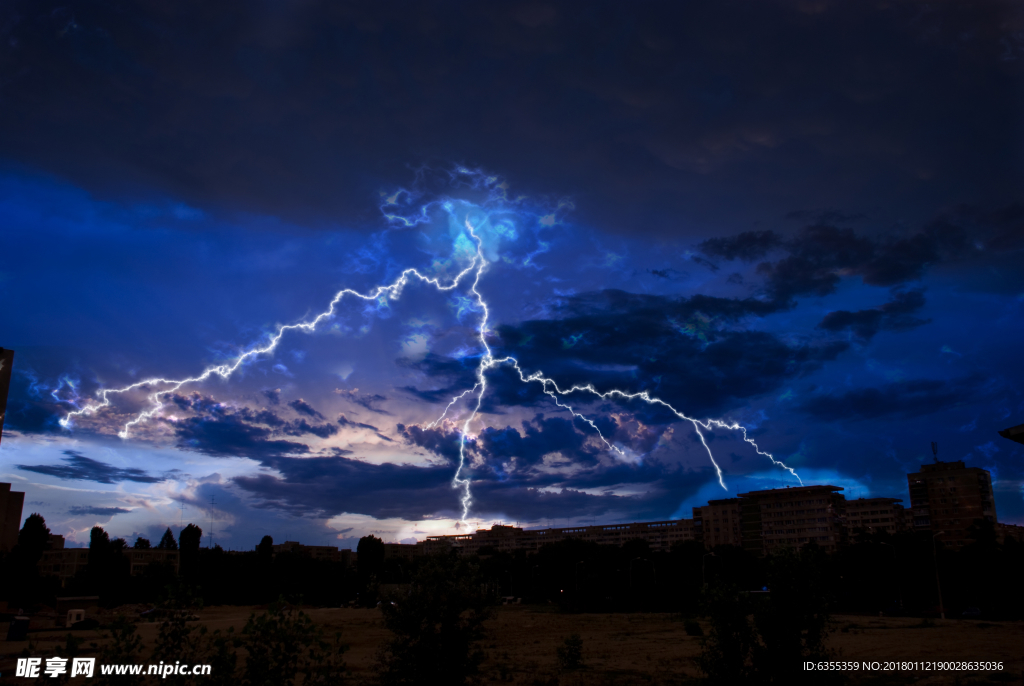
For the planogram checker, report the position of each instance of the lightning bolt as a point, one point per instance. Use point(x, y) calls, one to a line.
point(477, 266)
point(551, 388)
point(392, 292)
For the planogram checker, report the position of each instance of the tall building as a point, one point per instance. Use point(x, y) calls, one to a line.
point(875, 514)
point(947, 497)
point(11, 503)
point(718, 523)
point(781, 518)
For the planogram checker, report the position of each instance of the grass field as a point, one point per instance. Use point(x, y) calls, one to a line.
point(631, 649)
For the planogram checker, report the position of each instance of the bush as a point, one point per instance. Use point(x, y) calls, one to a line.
point(790, 626)
point(435, 626)
point(125, 647)
point(726, 651)
point(692, 627)
point(179, 641)
point(283, 643)
point(570, 653)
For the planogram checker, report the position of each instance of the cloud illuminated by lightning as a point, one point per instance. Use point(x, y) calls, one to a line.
point(382, 295)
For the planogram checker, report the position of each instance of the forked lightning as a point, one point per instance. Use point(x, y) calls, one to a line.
point(476, 267)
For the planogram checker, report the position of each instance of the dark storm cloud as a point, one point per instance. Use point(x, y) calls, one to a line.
point(681, 349)
point(668, 274)
point(817, 254)
point(617, 302)
point(345, 421)
point(264, 417)
point(273, 396)
point(460, 373)
point(327, 486)
point(302, 407)
point(509, 475)
point(226, 431)
point(898, 400)
point(650, 111)
point(324, 487)
point(30, 407)
point(438, 441)
point(232, 436)
point(79, 467)
point(747, 246)
point(223, 431)
point(301, 427)
point(664, 488)
point(369, 401)
point(80, 511)
point(541, 436)
point(895, 315)
point(820, 255)
point(708, 264)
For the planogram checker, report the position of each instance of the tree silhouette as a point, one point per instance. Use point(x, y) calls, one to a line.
point(33, 538)
point(370, 557)
point(99, 542)
point(167, 542)
point(190, 538)
point(266, 548)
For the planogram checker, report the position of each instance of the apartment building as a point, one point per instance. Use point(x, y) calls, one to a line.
point(947, 497)
point(141, 558)
point(875, 514)
point(788, 518)
point(65, 563)
point(62, 562)
point(718, 523)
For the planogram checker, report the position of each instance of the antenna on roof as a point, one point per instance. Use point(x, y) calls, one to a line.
point(935, 452)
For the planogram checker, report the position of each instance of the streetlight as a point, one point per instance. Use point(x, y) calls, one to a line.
point(938, 586)
point(703, 562)
point(895, 562)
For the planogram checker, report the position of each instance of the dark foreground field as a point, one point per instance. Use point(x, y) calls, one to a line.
point(632, 648)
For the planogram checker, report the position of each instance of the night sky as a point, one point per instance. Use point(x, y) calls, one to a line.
point(804, 218)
